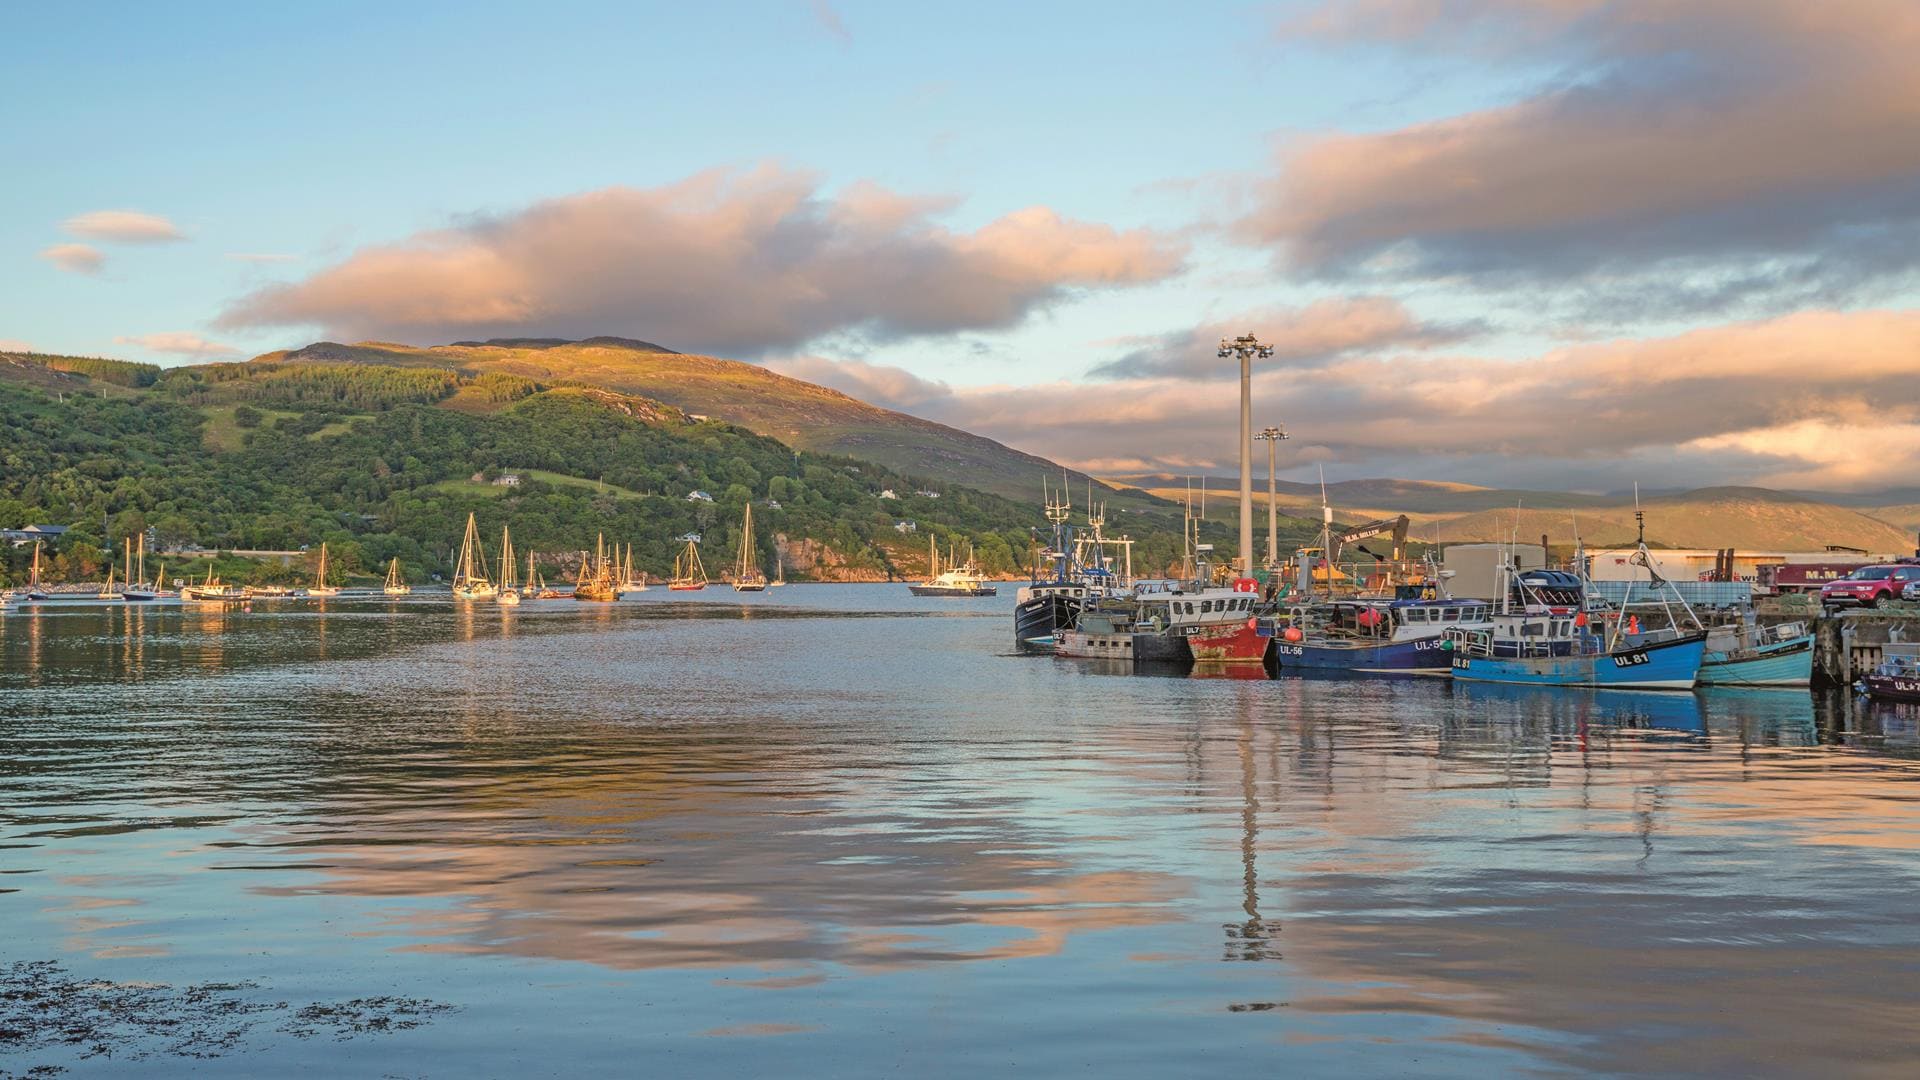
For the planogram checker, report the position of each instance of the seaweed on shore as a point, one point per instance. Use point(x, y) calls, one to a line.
point(43, 1007)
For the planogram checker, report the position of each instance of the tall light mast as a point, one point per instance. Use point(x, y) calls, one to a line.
point(1246, 347)
point(1272, 435)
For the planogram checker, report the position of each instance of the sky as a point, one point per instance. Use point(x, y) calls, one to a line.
point(1549, 243)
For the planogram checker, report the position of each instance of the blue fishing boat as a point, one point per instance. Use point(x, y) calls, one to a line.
point(1669, 664)
point(1378, 637)
point(1751, 655)
point(1544, 635)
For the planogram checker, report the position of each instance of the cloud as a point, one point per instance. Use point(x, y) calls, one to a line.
point(123, 227)
point(1813, 399)
point(1313, 334)
point(75, 258)
point(179, 343)
point(1667, 138)
point(830, 21)
point(878, 384)
point(254, 257)
point(14, 345)
point(735, 262)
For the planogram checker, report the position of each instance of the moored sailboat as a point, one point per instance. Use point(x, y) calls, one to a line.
point(688, 574)
point(213, 590)
point(508, 594)
point(396, 585)
point(960, 579)
point(320, 586)
point(747, 575)
point(470, 581)
point(630, 581)
point(139, 589)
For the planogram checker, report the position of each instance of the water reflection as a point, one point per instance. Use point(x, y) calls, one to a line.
point(871, 810)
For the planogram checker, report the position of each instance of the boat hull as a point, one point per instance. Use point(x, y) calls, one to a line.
point(686, 587)
point(749, 586)
point(1236, 644)
point(1416, 656)
point(942, 590)
point(1894, 687)
point(1665, 665)
point(1038, 622)
point(1786, 663)
point(1086, 645)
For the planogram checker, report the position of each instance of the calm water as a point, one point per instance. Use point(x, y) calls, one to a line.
point(836, 828)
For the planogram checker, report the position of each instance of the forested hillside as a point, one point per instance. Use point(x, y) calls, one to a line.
point(380, 463)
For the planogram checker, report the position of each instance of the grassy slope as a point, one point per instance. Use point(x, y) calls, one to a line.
point(797, 413)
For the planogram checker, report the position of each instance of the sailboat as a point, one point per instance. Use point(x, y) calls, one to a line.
point(536, 585)
point(36, 590)
point(747, 575)
point(106, 591)
point(320, 586)
point(779, 573)
point(688, 574)
point(596, 581)
point(470, 575)
point(632, 582)
point(138, 588)
point(508, 594)
point(395, 585)
point(213, 589)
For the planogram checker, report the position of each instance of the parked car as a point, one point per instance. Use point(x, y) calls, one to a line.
point(1911, 592)
point(1870, 585)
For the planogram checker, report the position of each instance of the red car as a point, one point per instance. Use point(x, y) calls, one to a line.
point(1869, 585)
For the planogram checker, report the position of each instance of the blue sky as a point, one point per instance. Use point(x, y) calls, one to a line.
point(1432, 217)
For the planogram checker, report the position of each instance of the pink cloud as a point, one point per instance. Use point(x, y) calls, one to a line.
point(123, 227)
point(75, 258)
point(1319, 331)
point(179, 343)
point(730, 262)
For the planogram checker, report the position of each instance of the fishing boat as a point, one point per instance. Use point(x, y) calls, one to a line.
point(507, 595)
point(1897, 678)
point(470, 581)
point(213, 590)
point(1158, 622)
point(747, 575)
point(1403, 636)
point(1079, 571)
point(270, 592)
point(320, 586)
point(1533, 641)
point(960, 579)
point(596, 581)
point(1747, 654)
point(688, 574)
point(396, 585)
point(631, 581)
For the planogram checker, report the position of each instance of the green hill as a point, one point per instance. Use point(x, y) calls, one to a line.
point(379, 461)
point(798, 413)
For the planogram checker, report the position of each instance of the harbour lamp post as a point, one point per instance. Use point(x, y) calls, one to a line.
point(1246, 347)
point(1272, 435)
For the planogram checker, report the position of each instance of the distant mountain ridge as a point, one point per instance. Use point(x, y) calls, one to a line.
point(1712, 517)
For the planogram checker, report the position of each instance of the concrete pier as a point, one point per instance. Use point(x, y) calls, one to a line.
point(1848, 645)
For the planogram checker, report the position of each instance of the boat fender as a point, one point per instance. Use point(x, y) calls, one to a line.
point(1633, 625)
point(1253, 623)
point(1580, 619)
point(1293, 634)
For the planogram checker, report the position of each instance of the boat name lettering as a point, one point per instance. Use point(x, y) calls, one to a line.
point(1630, 659)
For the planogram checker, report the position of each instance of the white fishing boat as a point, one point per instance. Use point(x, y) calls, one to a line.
point(960, 579)
point(470, 581)
point(213, 590)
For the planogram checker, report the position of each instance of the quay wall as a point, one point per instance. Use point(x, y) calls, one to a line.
point(1850, 644)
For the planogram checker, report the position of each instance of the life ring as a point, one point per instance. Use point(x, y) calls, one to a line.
point(1246, 584)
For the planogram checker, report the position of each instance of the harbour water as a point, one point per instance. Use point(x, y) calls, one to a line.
point(845, 829)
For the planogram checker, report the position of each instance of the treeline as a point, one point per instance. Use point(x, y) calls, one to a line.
point(398, 483)
point(332, 387)
point(118, 372)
